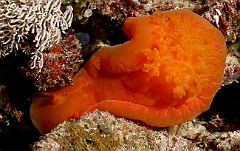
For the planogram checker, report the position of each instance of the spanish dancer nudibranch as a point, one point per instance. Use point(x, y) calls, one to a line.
point(166, 74)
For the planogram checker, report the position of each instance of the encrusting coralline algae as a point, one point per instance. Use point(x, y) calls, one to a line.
point(60, 64)
point(102, 131)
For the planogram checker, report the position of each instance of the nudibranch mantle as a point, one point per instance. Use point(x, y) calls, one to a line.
point(166, 74)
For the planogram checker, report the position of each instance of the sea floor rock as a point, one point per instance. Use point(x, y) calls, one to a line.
point(103, 131)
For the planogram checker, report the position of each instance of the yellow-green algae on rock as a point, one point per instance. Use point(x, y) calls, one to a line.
point(105, 132)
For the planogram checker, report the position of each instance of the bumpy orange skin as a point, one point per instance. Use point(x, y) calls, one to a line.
point(167, 74)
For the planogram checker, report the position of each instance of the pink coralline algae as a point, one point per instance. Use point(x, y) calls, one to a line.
point(224, 15)
point(221, 13)
point(60, 64)
point(231, 70)
point(120, 10)
point(232, 64)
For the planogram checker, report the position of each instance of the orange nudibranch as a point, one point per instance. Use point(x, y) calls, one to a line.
point(166, 74)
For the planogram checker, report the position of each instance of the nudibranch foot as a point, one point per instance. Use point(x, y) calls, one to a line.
point(160, 117)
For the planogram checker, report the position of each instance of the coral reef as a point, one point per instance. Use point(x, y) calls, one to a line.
point(60, 64)
point(221, 13)
point(14, 121)
point(164, 77)
point(7, 111)
point(118, 11)
point(224, 15)
point(197, 132)
point(223, 141)
point(232, 69)
point(216, 129)
point(103, 131)
point(232, 65)
point(41, 18)
point(121, 10)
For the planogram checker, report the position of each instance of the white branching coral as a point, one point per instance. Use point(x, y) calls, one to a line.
point(42, 18)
